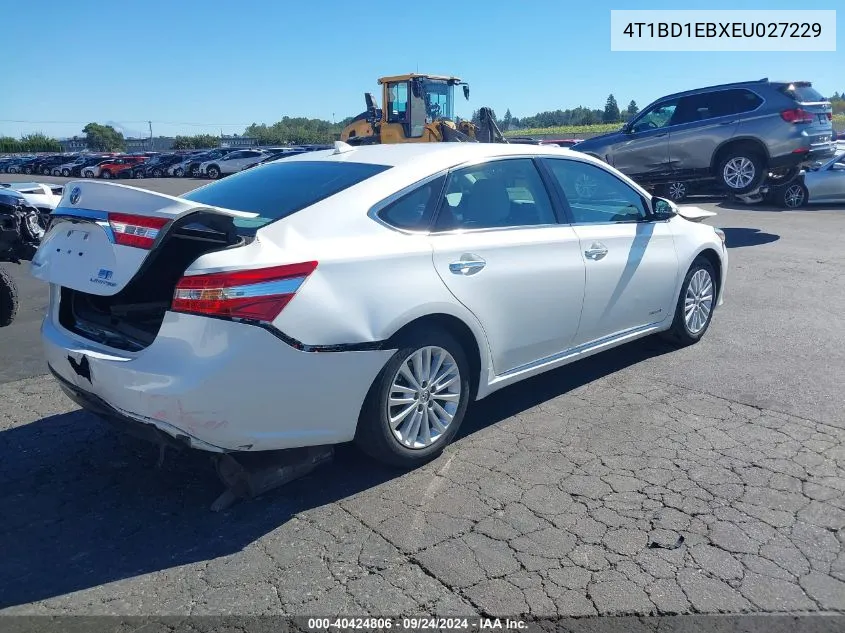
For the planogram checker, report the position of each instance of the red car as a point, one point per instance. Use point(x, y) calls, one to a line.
point(120, 167)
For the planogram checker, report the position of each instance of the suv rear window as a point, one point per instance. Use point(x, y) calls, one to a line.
point(277, 190)
point(803, 93)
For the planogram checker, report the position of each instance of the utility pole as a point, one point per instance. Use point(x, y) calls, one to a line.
point(150, 123)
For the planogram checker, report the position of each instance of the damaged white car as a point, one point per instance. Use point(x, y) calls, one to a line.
point(368, 294)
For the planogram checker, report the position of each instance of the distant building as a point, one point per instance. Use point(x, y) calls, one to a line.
point(238, 141)
point(155, 144)
point(74, 144)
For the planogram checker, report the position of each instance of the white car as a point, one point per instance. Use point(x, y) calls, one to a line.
point(43, 196)
point(366, 294)
point(231, 163)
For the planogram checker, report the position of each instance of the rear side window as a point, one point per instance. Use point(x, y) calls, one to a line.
point(414, 210)
point(802, 93)
point(277, 190)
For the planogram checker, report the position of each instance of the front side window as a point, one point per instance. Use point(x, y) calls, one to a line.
point(397, 102)
point(594, 195)
point(655, 118)
point(497, 194)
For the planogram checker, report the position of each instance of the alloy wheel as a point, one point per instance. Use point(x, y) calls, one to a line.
point(677, 190)
point(793, 197)
point(739, 172)
point(698, 301)
point(424, 396)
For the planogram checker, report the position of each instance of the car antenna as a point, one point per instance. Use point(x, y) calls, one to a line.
point(340, 147)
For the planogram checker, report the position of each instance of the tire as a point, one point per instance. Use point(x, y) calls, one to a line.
point(676, 191)
point(740, 171)
point(682, 333)
point(105, 174)
point(178, 172)
point(213, 172)
point(27, 170)
point(794, 195)
point(66, 172)
point(157, 173)
point(45, 171)
point(87, 174)
point(8, 299)
point(375, 435)
point(137, 174)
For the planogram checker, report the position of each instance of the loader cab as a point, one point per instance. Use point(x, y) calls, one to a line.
point(413, 101)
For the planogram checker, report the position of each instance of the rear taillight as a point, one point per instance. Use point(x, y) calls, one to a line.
point(797, 115)
point(139, 231)
point(259, 293)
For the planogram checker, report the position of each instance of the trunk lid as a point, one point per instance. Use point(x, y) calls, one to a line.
point(102, 233)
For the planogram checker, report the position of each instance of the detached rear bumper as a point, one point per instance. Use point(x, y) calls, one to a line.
point(217, 385)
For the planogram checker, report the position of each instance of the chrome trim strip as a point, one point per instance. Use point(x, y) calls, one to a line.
point(93, 216)
point(574, 351)
point(263, 289)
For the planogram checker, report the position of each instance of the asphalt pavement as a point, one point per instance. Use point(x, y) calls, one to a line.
point(644, 480)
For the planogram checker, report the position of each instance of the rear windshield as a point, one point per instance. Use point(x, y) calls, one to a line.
point(277, 190)
point(802, 93)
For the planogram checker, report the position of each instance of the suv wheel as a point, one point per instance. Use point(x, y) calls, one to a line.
point(213, 172)
point(740, 171)
point(178, 172)
point(66, 172)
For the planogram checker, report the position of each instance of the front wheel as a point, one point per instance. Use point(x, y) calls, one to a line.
point(213, 172)
point(417, 402)
point(8, 299)
point(178, 172)
point(106, 174)
point(66, 172)
point(740, 171)
point(694, 309)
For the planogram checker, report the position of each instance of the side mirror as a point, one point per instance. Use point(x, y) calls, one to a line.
point(466, 92)
point(662, 209)
point(627, 127)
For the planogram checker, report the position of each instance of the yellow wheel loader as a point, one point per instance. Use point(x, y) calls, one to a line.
point(418, 109)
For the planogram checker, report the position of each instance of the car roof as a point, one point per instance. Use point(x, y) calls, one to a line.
point(430, 156)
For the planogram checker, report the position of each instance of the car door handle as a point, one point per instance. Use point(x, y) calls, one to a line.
point(467, 265)
point(596, 251)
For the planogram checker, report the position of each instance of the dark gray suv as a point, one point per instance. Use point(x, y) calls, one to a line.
point(735, 134)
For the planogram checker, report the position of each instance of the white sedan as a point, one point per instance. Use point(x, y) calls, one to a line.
point(368, 294)
point(231, 163)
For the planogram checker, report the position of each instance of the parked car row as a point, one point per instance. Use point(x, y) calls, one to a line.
point(212, 163)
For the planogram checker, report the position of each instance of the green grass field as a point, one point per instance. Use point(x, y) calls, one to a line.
point(568, 130)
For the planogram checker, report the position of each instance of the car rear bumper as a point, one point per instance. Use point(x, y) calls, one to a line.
point(217, 385)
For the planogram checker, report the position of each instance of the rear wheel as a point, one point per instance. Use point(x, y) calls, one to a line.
point(106, 174)
point(794, 195)
point(66, 172)
point(696, 302)
point(676, 191)
point(178, 172)
point(157, 173)
point(740, 171)
point(417, 402)
point(8, 299)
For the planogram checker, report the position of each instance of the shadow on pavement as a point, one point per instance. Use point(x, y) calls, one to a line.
point(742, 237)
point(84, 505)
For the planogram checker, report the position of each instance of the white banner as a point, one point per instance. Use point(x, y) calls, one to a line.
point(799, 30)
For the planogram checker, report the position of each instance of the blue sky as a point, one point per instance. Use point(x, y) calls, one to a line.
point(220, 64)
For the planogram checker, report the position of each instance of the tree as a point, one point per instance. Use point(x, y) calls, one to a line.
point(507, 120)
point(611, 110)
point(633, 108)
point(36, 142)
point(103, 138)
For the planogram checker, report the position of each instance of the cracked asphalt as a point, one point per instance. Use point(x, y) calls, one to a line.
point(646, 480)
